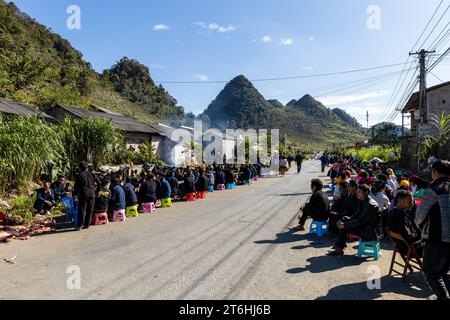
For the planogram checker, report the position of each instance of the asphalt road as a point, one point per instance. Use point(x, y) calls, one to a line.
point(233, 245)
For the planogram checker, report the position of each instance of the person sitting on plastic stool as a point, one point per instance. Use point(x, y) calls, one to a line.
point(363, 223)
point(318, 207)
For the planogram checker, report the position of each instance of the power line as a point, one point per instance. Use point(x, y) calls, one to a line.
point(287, 78)
point(351, 83)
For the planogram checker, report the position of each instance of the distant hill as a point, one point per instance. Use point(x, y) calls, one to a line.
point(344, 116)
point(38, 66)
point(305, 121)
point(275, 103)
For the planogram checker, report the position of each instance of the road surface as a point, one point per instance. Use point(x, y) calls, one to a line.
point(233, 245)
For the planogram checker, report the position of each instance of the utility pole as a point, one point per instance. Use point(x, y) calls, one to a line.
point(423, 101)
point(367, 117)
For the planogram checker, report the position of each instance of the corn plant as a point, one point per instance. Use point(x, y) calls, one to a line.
point(89, 139)
point(27, 145)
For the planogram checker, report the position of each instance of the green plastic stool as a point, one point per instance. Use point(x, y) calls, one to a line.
point(132, 212)
point(369, 249)
point(166, 203)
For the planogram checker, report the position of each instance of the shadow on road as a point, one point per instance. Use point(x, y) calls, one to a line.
point(286, 237)
point(293, 194)
point(415, 287)
point(326, 263)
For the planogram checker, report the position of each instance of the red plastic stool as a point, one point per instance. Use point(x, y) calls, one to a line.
point(201, 195)
point(191, 197)
point(99, 218)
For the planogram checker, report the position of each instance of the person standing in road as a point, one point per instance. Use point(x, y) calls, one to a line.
point(84, 190)
point(299, 161)
point(433, 218)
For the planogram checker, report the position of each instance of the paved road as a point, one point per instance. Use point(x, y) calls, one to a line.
point(233, 245)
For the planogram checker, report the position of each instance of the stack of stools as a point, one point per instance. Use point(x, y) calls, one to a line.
point(210, 188)
point(220, 187)
point(166, 203)
point(132, 212)
point(99, 218)
point(191, 197)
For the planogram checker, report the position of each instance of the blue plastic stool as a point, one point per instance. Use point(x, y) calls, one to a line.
point(210, 188)
point(319, 227)
point(71, 210)
point(369, 249)
point(231, 186)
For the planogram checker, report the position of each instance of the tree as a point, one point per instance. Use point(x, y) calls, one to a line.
point(386, 137)
point(433, 145)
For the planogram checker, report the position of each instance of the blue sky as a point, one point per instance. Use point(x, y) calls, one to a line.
point(209, 40)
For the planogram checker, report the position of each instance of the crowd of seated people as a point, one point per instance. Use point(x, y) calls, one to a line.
point(369, 200)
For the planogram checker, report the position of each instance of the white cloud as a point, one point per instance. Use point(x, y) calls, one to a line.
point(161, 27)
point(202, 77)
point(216, 27)
point(287, 41)
point(311, 38)
point(266, 39)
point(345, 99)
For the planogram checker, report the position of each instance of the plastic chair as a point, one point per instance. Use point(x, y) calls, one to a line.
point(191, 197)
point(369, 249)
point(70, 209)
point(319, 227)
point(211, 188)
point(132, 212)
point(201, 195)
point(149, 207)
point(99, 218)
point(166, 203)
point(220, 187)
point(119, 216)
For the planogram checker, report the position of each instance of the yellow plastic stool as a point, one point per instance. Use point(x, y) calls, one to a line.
point(132, 212)
point(166, 203)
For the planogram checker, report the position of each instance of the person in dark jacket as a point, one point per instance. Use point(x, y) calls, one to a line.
point(229, 176)
point(147, 191)
point(84, 190)
point(433, 218)
point(173, 182)
point(202, 183)
point(45, 199)
point(220, 176)
point(346, 206)
point(299, 161)
point(400, 220)
point(318, 207)
point(59, 189)
point(166, 191)
point(118, 198)
point(102, 198)
point(130, 195)
point(189, 183)
point(363, 223)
